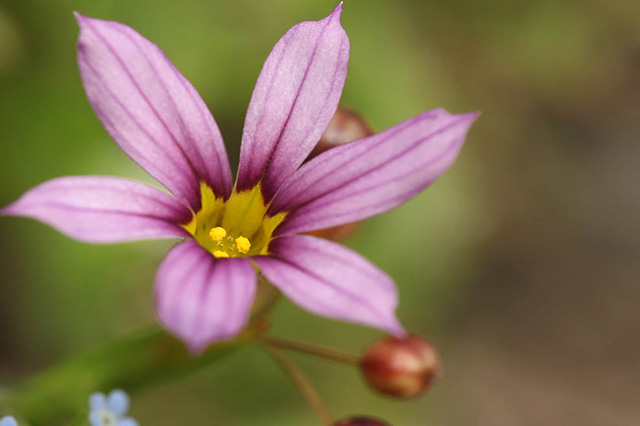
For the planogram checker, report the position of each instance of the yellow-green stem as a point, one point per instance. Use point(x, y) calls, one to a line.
point(60, 394)
point(318, 351)
point(302, 383)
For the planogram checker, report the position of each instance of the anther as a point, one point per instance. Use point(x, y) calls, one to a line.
point(220, 253)
point(243, 244)
point(217, 234)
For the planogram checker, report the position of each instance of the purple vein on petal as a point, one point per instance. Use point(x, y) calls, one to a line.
point(151, 110)
point(100, 209)
point(223, 166)
point(294, 99)
point(202, 299)
point(163, 176)
point(330, 280)
point(370, 176)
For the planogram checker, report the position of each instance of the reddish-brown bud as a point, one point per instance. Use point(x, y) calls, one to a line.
point(336, 233)
point(401, 367)
point(361, 421)
point(345, 126)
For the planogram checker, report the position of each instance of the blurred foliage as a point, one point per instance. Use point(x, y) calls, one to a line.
point(556, 82)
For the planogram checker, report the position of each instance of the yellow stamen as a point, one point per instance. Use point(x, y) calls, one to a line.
point(236, 227)
point(243, 244)
point(217, 234)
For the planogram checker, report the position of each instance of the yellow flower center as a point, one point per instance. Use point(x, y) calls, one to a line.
point(226, 245)
point(237, 227)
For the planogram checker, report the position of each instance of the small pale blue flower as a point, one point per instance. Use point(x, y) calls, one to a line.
point(110, 410)
point(119, 402)
point(8, 421)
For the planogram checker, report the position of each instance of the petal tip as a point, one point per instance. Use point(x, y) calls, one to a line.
point(397, 330)
point(337, 12)
point(466, 118)
point(196, 348)
point(469, 118)
point(80, 18)
point(83, 22)
point(5, 211)
point(393, 326)
point(87, 22)
point(11, 209)
point(473, 115)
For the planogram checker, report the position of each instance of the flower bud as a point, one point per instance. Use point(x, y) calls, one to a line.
point(336, 233)
point(401, 367)
point(345, 126)
point(360, 421)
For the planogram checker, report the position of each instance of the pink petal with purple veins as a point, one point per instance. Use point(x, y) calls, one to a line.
point(295, 97)
point(332, 281)
point(99, 209)
point(152, 112)
point(370, 176)
point(202, 299)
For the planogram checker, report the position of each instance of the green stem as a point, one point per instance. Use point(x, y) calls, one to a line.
point(307, 348)
point(266, 298)
point(302, 383)
point(57, 395)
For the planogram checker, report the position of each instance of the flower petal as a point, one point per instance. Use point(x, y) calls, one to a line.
point(127, 421)
point(118, 402)
point(367, 177)
point(8, 421)
point(203, 299)
point(97, 401)
point(94, 418)
point(333, 281)
point(152, 112)
point(100, 209)
point(295, 97)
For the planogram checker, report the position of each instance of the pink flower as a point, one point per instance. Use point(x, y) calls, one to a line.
point(205, 286)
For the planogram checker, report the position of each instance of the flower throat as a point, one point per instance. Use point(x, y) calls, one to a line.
point(237, 227)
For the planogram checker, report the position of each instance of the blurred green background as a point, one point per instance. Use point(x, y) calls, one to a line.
point(522, 264)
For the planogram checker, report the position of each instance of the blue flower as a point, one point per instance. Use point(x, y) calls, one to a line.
point(8, 421)
point(109, 410)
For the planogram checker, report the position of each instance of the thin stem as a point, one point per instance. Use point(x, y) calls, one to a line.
point(267, 296)
point(326, 353)
point(141, 360)
point(302, 383)
point(59, 393)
